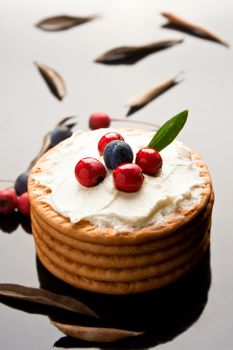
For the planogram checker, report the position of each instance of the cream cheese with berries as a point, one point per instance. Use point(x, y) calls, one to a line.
point(178, 186)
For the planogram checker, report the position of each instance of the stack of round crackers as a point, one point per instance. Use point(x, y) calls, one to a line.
point(125, 262)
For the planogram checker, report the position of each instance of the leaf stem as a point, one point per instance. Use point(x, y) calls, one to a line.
point(126, 120)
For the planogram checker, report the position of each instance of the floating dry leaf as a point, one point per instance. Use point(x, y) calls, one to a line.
point(137, 102)
point(132, 54)
point(46, 143)
point(95, 334)
point(53, 79)
point(66, 122)
point(44, 148)
point(183, 25)
point(63, 22)
point(44, 297)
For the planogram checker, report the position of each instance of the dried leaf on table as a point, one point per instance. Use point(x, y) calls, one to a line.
point(44, 297)
point(137, 102)
point(53, 79)
point(63, 22)
point(180, 24)
point(132, 54)
point(95, 334)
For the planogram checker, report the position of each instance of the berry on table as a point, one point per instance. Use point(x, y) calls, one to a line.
point(10, 222)
point(8, 201)
point(128, 177)
point(117, 152)
point(110, 136)
point(89, 172)
point(24, 204)
point(99, 120)
point(149, 160)
point(59, 134)
point(21, 183)
point(25, 222)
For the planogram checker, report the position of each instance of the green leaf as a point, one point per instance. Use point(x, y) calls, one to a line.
point(168, 131)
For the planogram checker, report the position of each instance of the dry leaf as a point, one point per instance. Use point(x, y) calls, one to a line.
point(137, 102)
point(95, 334)
point(44, 148)
point(62, 22)
point(53, 79)
point(46, 143)
point(132, 54)
point(181, 24)
point(44, 297)
point(66, 122)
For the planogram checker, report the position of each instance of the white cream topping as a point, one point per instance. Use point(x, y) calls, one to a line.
point(177, 186)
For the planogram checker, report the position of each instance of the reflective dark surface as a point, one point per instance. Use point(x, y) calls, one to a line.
point(161, 314)
point(193, 313)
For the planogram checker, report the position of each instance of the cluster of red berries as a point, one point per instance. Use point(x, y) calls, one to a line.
point(17, 198)
point(127, 176)
point(9, 202)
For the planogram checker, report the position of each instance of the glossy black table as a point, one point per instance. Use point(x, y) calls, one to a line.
point(195, 312)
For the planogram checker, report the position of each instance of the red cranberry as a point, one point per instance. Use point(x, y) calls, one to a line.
point(24, 204)
point(149, 160)
point(111, 136)
point(99, 120)
point(128, 177)
point(89, 172)
point(8, 201)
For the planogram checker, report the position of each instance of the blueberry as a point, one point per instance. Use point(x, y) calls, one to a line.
point(59, 134)
point(116, 153)
point(21, 183)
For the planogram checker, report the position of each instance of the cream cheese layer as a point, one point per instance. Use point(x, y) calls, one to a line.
point(177, 186)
